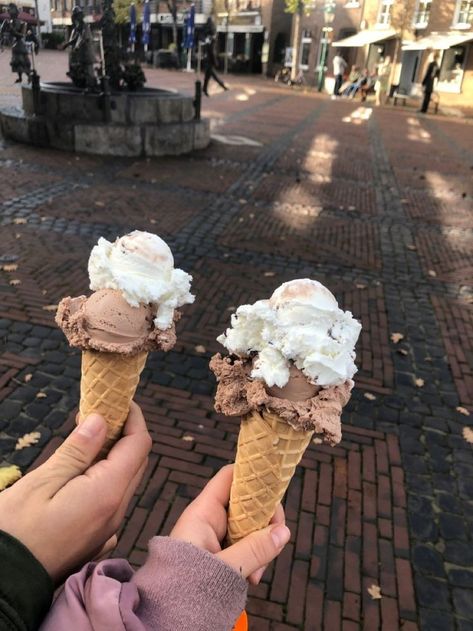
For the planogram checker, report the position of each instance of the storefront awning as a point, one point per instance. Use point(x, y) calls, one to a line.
point(439, 41)
point(240, 28)
point(363, 38)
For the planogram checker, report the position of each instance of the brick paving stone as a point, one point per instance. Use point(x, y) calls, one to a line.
point(369, 210)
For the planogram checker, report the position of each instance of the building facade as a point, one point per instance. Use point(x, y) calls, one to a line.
point(252, 34)
point(408, 31)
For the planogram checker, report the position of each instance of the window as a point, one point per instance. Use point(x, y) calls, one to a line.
point(422, 14)
point(464, 13)
point(451, 69)
point(385, 10)
point(306, 42)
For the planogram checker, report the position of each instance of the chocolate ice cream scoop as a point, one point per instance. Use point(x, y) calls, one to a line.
point(298, 388)
point(106, 322)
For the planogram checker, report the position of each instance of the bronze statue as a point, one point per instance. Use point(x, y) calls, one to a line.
point(20, 61)
point(82, 55)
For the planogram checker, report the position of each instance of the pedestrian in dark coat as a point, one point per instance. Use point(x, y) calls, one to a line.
point(210, 64)
point(432, 73)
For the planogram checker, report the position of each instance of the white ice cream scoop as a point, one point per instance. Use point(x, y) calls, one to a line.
point(300, 324)
point(141, 266)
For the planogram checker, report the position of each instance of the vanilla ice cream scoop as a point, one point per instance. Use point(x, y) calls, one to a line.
point(141, 266)
point(301, 325)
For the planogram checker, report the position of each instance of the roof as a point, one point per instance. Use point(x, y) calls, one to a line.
point(439, 41)
point(363, 38)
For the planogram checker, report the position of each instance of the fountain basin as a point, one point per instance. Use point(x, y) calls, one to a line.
point(147, 122)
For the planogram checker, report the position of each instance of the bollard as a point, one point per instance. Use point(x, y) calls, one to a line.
point(36, 88)
point(198, 100)
point(106, 99)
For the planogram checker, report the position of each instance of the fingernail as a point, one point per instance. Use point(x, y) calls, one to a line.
point(280, 535)
point(91, 426)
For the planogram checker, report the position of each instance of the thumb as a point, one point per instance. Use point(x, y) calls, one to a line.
point(256, 550)
point(77, 452)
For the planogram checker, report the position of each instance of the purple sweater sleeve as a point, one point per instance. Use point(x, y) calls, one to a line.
point(179, 588)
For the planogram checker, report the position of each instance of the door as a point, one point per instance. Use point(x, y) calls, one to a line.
point(410, 65)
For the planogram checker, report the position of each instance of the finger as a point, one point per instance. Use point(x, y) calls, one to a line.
point(106, 549)
point(217, 490)
point(128, 454)
point(76, 453)
point(120, 512)
point(279, 516)
point(255, 577)
point(256, 550)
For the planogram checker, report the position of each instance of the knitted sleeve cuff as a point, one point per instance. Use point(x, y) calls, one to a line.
point(184, 587)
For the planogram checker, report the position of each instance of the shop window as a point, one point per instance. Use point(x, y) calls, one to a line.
point(306, 43)
point(464, 13)
point(385, 10)
point(422, 14)
point(279, 49)
point(452, 69)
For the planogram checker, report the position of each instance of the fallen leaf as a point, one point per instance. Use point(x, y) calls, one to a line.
point(15, 281)
point(49, 307)
point(411, 247)
point(432, 273)
point(28, 377)
point(19, 220)
point(375, 592)
point(242, 201)
point(419, 382)
point(200, 426)
point(467, 435)
point(44, 291)
point(8, 475)
point(12, 267)
point(396, 337)
point(153, 221)
point(351, 207)
point(369, 396)
point(27, 440)
point(41, 395)
point(402, 351)
point(200, 349)
point(270, 273)
point(360, 286)
point(100, 204)
point(188, 439)
point(462, 410)
point(317, 441)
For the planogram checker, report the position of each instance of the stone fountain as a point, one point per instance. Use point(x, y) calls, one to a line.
point(105, 110)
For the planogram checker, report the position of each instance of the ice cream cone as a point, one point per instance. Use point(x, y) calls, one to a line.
point(108, 384)
point(268, 452)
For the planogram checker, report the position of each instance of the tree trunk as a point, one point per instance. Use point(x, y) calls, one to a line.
point(296, 42)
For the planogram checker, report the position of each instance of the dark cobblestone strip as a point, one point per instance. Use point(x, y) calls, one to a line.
point(435, 457)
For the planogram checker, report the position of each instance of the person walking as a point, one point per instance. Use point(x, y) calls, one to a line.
point(339, 67)
point(210, 64)
point(431, 74)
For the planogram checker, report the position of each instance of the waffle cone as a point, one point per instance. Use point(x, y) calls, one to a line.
point(108, 385)
point(268, 452)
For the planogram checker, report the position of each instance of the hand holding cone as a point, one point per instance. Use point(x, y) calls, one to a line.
point(297, 338)
point(131, 312)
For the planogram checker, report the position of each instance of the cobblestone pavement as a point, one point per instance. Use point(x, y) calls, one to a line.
point(377, 205)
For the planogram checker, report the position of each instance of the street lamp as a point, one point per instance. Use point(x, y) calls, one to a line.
point(329, 15)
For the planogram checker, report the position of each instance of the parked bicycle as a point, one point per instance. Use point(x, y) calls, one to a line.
point(284, 76)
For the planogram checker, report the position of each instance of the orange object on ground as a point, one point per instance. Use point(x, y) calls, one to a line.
point(241, 623)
